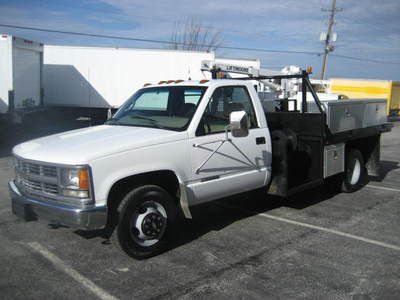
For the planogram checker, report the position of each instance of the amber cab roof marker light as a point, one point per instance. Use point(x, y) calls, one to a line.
point(204, 81)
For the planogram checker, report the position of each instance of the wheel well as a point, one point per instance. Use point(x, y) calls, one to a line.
point(370, 151)
point(164, 178)
point(365, 145)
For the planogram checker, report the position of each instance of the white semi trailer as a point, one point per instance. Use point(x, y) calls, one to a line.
point(21, 64)
point(105, 77)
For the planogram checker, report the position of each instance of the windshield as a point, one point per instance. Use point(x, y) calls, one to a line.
point(167, 107)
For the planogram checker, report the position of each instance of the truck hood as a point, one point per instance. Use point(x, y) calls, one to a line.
point(84, 145)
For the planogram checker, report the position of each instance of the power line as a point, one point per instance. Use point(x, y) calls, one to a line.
point(157, 41)
point(169, 43)
point(367, 59)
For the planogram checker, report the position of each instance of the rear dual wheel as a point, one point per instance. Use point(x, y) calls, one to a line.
point(354, 174)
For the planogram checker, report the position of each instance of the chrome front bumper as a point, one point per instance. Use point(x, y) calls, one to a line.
point(30, 209)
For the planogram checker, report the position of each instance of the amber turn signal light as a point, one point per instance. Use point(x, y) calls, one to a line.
point(83, 180)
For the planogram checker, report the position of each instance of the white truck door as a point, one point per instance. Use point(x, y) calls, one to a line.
point(26, 77)
point(221, 168)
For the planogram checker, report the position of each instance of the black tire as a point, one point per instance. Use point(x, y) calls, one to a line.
point(142, 205)
point(354, 171)
point(345, 182)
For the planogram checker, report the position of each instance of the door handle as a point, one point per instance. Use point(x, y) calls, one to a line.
point(260, 140)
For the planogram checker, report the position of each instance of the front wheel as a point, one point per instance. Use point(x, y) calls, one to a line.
point(147, 221)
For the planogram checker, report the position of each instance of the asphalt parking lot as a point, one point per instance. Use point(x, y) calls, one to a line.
point(313, 245)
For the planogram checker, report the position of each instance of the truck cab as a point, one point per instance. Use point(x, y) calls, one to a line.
point(171, 137)
point(177, 144)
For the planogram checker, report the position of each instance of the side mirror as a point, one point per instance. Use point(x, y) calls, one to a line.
point(239, 123)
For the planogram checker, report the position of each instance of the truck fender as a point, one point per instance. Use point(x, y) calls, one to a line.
point(183, 197)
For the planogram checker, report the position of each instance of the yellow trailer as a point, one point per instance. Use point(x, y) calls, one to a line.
point(368, 89)
point(395, 98)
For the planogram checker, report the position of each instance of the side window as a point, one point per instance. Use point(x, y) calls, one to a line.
point(241, 98)
point(224, 101)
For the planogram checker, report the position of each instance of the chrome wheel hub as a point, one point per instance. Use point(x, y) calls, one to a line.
point(152, 224)
point(148, 223)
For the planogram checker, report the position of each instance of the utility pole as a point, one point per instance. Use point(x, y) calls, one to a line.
point(329, 36)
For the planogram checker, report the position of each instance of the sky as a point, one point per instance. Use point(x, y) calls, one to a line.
point(367, 29)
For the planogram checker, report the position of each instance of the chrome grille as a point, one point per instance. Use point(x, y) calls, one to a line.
point(49, 171)
point(50, 188)
point(36, 169)
point(36, 186)
point(37, 178)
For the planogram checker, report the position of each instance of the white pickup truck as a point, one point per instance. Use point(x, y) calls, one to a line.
point(177, 144)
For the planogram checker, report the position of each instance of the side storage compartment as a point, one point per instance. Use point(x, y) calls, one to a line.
point(344, 116)
point(375, 113)
point(334, 156)
point(347, 115)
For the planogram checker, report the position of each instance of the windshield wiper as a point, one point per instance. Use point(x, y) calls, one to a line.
point(152, 121)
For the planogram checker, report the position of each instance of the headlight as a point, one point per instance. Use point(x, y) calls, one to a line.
point(74, 182)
